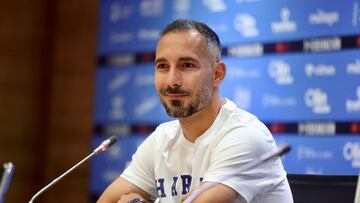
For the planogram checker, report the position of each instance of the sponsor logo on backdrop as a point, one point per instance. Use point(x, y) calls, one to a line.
point(285, 24)
point(148, 34)
point(144, 79)
point(317, 128)
point(145, 106)
point(319, 70)
point(121, 59)
point(356, 14)
point(121, 37)
point(317, 100)
point(323, 17)
point(305, 152)
point(239, 72)
point(246, 50)
point(246, 25)
point(313, 170)
point(242, 97)
point(324, 44)
point(120, 12)
point(354, 105)
point(269, 100)
point(118, 82)
point(215, 5)
point(151, 8)
point(181, 8)
point(353, 68)
point(279, 70)
point(351, 152)
point(117, 107)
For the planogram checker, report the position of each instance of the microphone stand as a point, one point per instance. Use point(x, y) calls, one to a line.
point(102, 147)
point(60, 177)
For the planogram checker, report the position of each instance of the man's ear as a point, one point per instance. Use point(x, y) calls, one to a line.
point(219, 73)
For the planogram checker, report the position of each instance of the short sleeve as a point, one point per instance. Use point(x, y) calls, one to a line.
point(242, 146)
point(140, 171)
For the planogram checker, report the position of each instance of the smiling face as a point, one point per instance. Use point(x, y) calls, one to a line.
point(184, 73)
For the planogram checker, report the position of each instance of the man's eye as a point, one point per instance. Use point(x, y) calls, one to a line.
point(188, 65)
point(161, 66)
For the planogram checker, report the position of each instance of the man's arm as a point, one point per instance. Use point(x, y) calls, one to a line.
point(219, 193)
point(118, 188)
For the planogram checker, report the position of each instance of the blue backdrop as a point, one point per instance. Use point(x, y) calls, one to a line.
point(294, 64)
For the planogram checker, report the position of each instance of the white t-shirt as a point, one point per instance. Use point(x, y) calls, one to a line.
point(168, 166)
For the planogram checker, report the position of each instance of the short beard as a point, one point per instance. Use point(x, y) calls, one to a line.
point(177, 109)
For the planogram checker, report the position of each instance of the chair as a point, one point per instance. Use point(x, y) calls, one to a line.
point(323, 188)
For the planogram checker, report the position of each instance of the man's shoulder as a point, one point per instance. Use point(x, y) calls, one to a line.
point(170, 125)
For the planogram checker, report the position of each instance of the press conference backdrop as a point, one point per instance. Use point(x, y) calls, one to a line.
point(294, 64)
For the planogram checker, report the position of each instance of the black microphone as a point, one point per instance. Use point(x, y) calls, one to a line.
point(102, 147)
point(276, 152)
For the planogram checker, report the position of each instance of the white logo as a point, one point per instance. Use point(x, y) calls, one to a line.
point(319, 70)
point(237, 72)
point(285, 25)
point(269, 100)
point(121, 59)
point(356, 14)
point(246, 25)
point(181, 7)
point(354, 105)
point(353, 68)
point(246, 50)
point(317, 128)
point(322, 17)
point(121, 37)
point(351, 152)
point(144, 79)
point(118, 82)
point(242, 97)
point(146, 106)
point(323, 44)
point(312, 170)
point(117, 109)
point(118, 11)
point(316, 99)
point(148, 34)
point(150, 8)
point(304, 152)
point(280, 71)
point(215, 5)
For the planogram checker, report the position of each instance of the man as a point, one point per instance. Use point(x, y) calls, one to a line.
point(211, 138)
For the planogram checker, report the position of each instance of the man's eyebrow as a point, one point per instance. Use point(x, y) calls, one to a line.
point(157, 60)
point(188, 59)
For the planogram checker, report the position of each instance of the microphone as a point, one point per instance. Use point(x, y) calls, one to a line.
point(102, 147)
point(276, 152)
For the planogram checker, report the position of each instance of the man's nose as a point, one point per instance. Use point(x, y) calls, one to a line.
point(174, 78)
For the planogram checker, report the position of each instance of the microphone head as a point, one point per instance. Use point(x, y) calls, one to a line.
point(284, 150)
point(112, 140)
point(106, 144)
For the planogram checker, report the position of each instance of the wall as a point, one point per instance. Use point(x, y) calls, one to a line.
point(47, 64)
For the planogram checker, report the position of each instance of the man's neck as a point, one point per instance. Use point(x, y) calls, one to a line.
point(195, 125)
